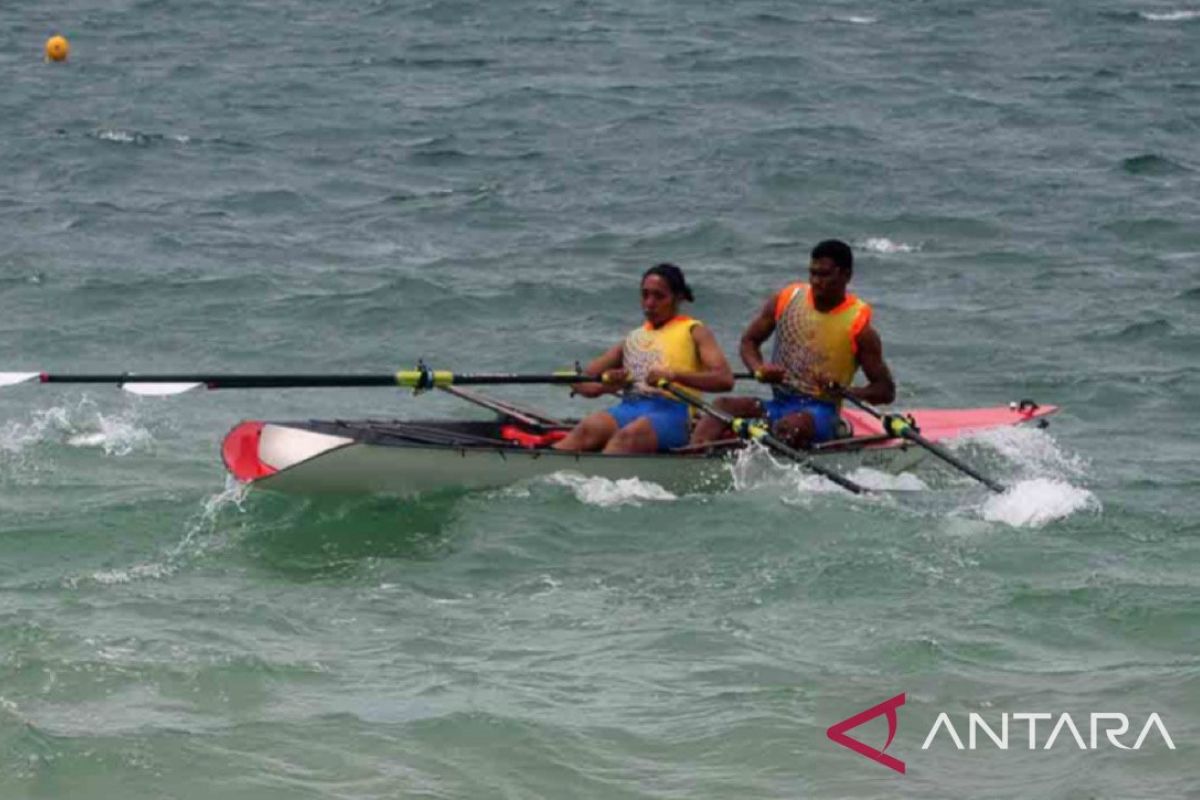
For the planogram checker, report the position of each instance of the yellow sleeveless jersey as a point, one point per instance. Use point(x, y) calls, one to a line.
point(808, 341)
point(669, 347)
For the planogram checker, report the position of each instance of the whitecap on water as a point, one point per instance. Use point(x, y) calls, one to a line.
point(1170, 16)
point(881, 244)
point(606, 493)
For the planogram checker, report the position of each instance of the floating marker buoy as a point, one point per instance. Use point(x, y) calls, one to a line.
point(57, 48)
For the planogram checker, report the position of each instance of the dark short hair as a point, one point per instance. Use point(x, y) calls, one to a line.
point(836, 251)
point(673, 275)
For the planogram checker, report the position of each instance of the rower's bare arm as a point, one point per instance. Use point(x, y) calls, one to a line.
point(880, 387)
point(610, 360)
point(716, 376)
point(757, 332)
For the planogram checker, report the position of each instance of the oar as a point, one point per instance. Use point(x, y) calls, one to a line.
point(420, 379)
point(902, 428)
point(758, 432)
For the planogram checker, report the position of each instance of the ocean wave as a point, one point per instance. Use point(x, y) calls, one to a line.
point(857, 19)
point(1179, 15)
point(1151, 164)
point(1145, 330)
point(606, 493)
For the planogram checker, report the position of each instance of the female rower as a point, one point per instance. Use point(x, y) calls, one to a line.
point(669, 345)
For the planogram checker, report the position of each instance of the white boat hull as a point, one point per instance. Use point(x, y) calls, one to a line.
point(411, 458)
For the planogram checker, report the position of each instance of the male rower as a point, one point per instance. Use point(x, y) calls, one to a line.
point(823, 335)
point(668, 346)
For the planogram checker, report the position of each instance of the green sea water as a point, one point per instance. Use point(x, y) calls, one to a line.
point(323, 187)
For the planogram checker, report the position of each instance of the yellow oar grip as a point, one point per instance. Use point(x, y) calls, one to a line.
point(748, 428)
point(418, 379)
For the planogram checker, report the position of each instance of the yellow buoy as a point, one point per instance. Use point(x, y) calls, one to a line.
point(57, 48)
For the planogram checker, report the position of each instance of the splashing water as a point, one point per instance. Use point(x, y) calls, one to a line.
point(1041, 491)
point(203, 524)
point(605, 493)
point(81, 425)
point(1036, 502)
point(1033, 451)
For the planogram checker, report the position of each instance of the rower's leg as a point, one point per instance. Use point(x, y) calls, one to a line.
point(591, 434)
point(798, 430)
point(636, 437)
point(710, 429)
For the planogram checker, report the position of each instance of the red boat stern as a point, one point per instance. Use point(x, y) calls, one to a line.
point(240, 452)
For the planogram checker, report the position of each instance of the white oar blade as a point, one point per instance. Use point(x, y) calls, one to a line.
point(13, 378)
point(159, 389)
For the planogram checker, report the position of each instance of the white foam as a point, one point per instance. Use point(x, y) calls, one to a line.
point(879, 481)
point(1036, 502)
point(135, 573)
point(856, 19)
point(1170, 16)
point(881, 244)
point(606, 493)
point(125, 137)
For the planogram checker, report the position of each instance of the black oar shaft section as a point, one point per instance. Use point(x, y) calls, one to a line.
point(759, 433)
point(415, 379)
point(955, 461)
point(219, 381)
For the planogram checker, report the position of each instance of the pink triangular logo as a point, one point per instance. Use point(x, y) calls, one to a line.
point(838, 732)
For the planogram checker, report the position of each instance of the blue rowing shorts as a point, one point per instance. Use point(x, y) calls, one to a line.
point(669, 417)
point(824, 415)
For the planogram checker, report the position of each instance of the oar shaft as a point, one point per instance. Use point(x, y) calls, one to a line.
point(417, 379)
point(954, 461)
point(905, 430)
point(226, 381)
point(759, 433)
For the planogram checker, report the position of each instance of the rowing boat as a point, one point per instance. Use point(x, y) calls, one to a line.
point(405, 458)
